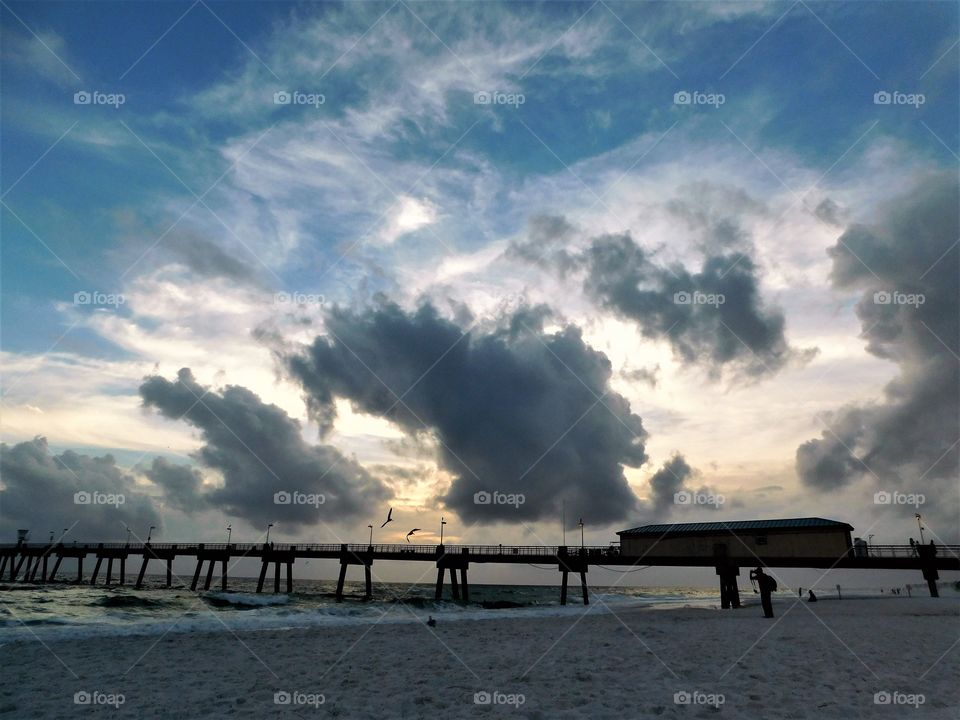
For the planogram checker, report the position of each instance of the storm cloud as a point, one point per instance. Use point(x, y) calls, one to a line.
point(515, 409)
point(270, 473)
point(906, 266)
point(90, 495)
point(714, 318)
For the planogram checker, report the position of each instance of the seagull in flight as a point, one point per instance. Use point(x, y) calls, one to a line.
point(411, 533)
point(388, 520)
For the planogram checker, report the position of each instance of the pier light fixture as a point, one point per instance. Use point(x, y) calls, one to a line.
point(150, 533)
point(127, 528)
point(920, 525)
point(51, 537)
point(229, 533)
point(581, 533)
point(442, 523)
point(371, 535)
point(268, 532)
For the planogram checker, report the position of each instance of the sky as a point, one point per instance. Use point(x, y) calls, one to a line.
point(501, 263)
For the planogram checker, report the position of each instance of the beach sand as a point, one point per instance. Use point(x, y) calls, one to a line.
point(826, 660)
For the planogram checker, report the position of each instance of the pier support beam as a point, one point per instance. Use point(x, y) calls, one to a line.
point(223, 575)
point(96, 570)
point(583, 587)
point(43, 578)
point(196, 574)
point(367, 583)
point(109, 570)
point(464, 585)
point(276, 577)
point(206, 583)
point(3, 565)
point(453, 584)
point(729, 592)
point(143, 569)
point(26, 573)
point(439, 593)
point(56, 566)
point(263, 574)
point(169, 571)
point(563, 588)
point(80, 569)
point(123, 569)
point(290, 576)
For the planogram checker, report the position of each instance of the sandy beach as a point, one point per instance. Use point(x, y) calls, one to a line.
point(827, 660)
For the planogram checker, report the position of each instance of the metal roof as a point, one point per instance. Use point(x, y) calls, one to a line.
point(735, 525)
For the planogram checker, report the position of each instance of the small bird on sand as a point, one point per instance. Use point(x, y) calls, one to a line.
point(389, 518)
point(431, 622)
point(411, 533)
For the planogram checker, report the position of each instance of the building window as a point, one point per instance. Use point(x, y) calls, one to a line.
point(761, 539)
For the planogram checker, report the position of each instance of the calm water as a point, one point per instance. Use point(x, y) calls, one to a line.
point(66, 610)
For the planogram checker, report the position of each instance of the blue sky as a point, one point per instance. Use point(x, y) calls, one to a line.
point(198, 199)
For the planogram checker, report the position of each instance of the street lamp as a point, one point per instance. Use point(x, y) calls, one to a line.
point(442, 523)
point(128, 533)
point(150, 533)
point(581, 534)
point(919, 526)
point(268, 532)
point(51, 538)
point(229, 533)
point(870, 539)
point(371, 535)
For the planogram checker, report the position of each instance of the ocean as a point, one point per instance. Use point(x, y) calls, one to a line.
point(65, 610)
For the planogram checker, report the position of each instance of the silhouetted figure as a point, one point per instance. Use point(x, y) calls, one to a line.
point(766, 585)
point(810, 596)
point(431, 622)
point(913, 547)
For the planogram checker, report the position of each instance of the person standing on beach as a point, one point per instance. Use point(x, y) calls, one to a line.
point(767, 585)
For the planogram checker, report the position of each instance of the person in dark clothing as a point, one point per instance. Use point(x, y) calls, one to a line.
point(811, 597)
point(767, 585)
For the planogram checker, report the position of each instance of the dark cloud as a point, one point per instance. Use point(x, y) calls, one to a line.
point(830, 212)
point(260, 451)
point(714, 318)
point(514, 408)
point(668, 481)
point(181, 484)
point(41, 494)
point(909, 436)
point(545, 244)
point(208, 259)
point(644, 375)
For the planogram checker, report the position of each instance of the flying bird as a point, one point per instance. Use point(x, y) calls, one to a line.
point(411, 533)
point(389, 518)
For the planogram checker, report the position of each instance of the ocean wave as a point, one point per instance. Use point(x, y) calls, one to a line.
point(244, 600)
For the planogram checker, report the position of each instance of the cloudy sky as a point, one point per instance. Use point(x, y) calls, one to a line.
point(591, 258)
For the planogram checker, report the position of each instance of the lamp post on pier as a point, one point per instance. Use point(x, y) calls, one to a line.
point(920, 525)
point(150, 533)
point(268, 532)
point(229, 533)
point(442, 523)
point(371, 535)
